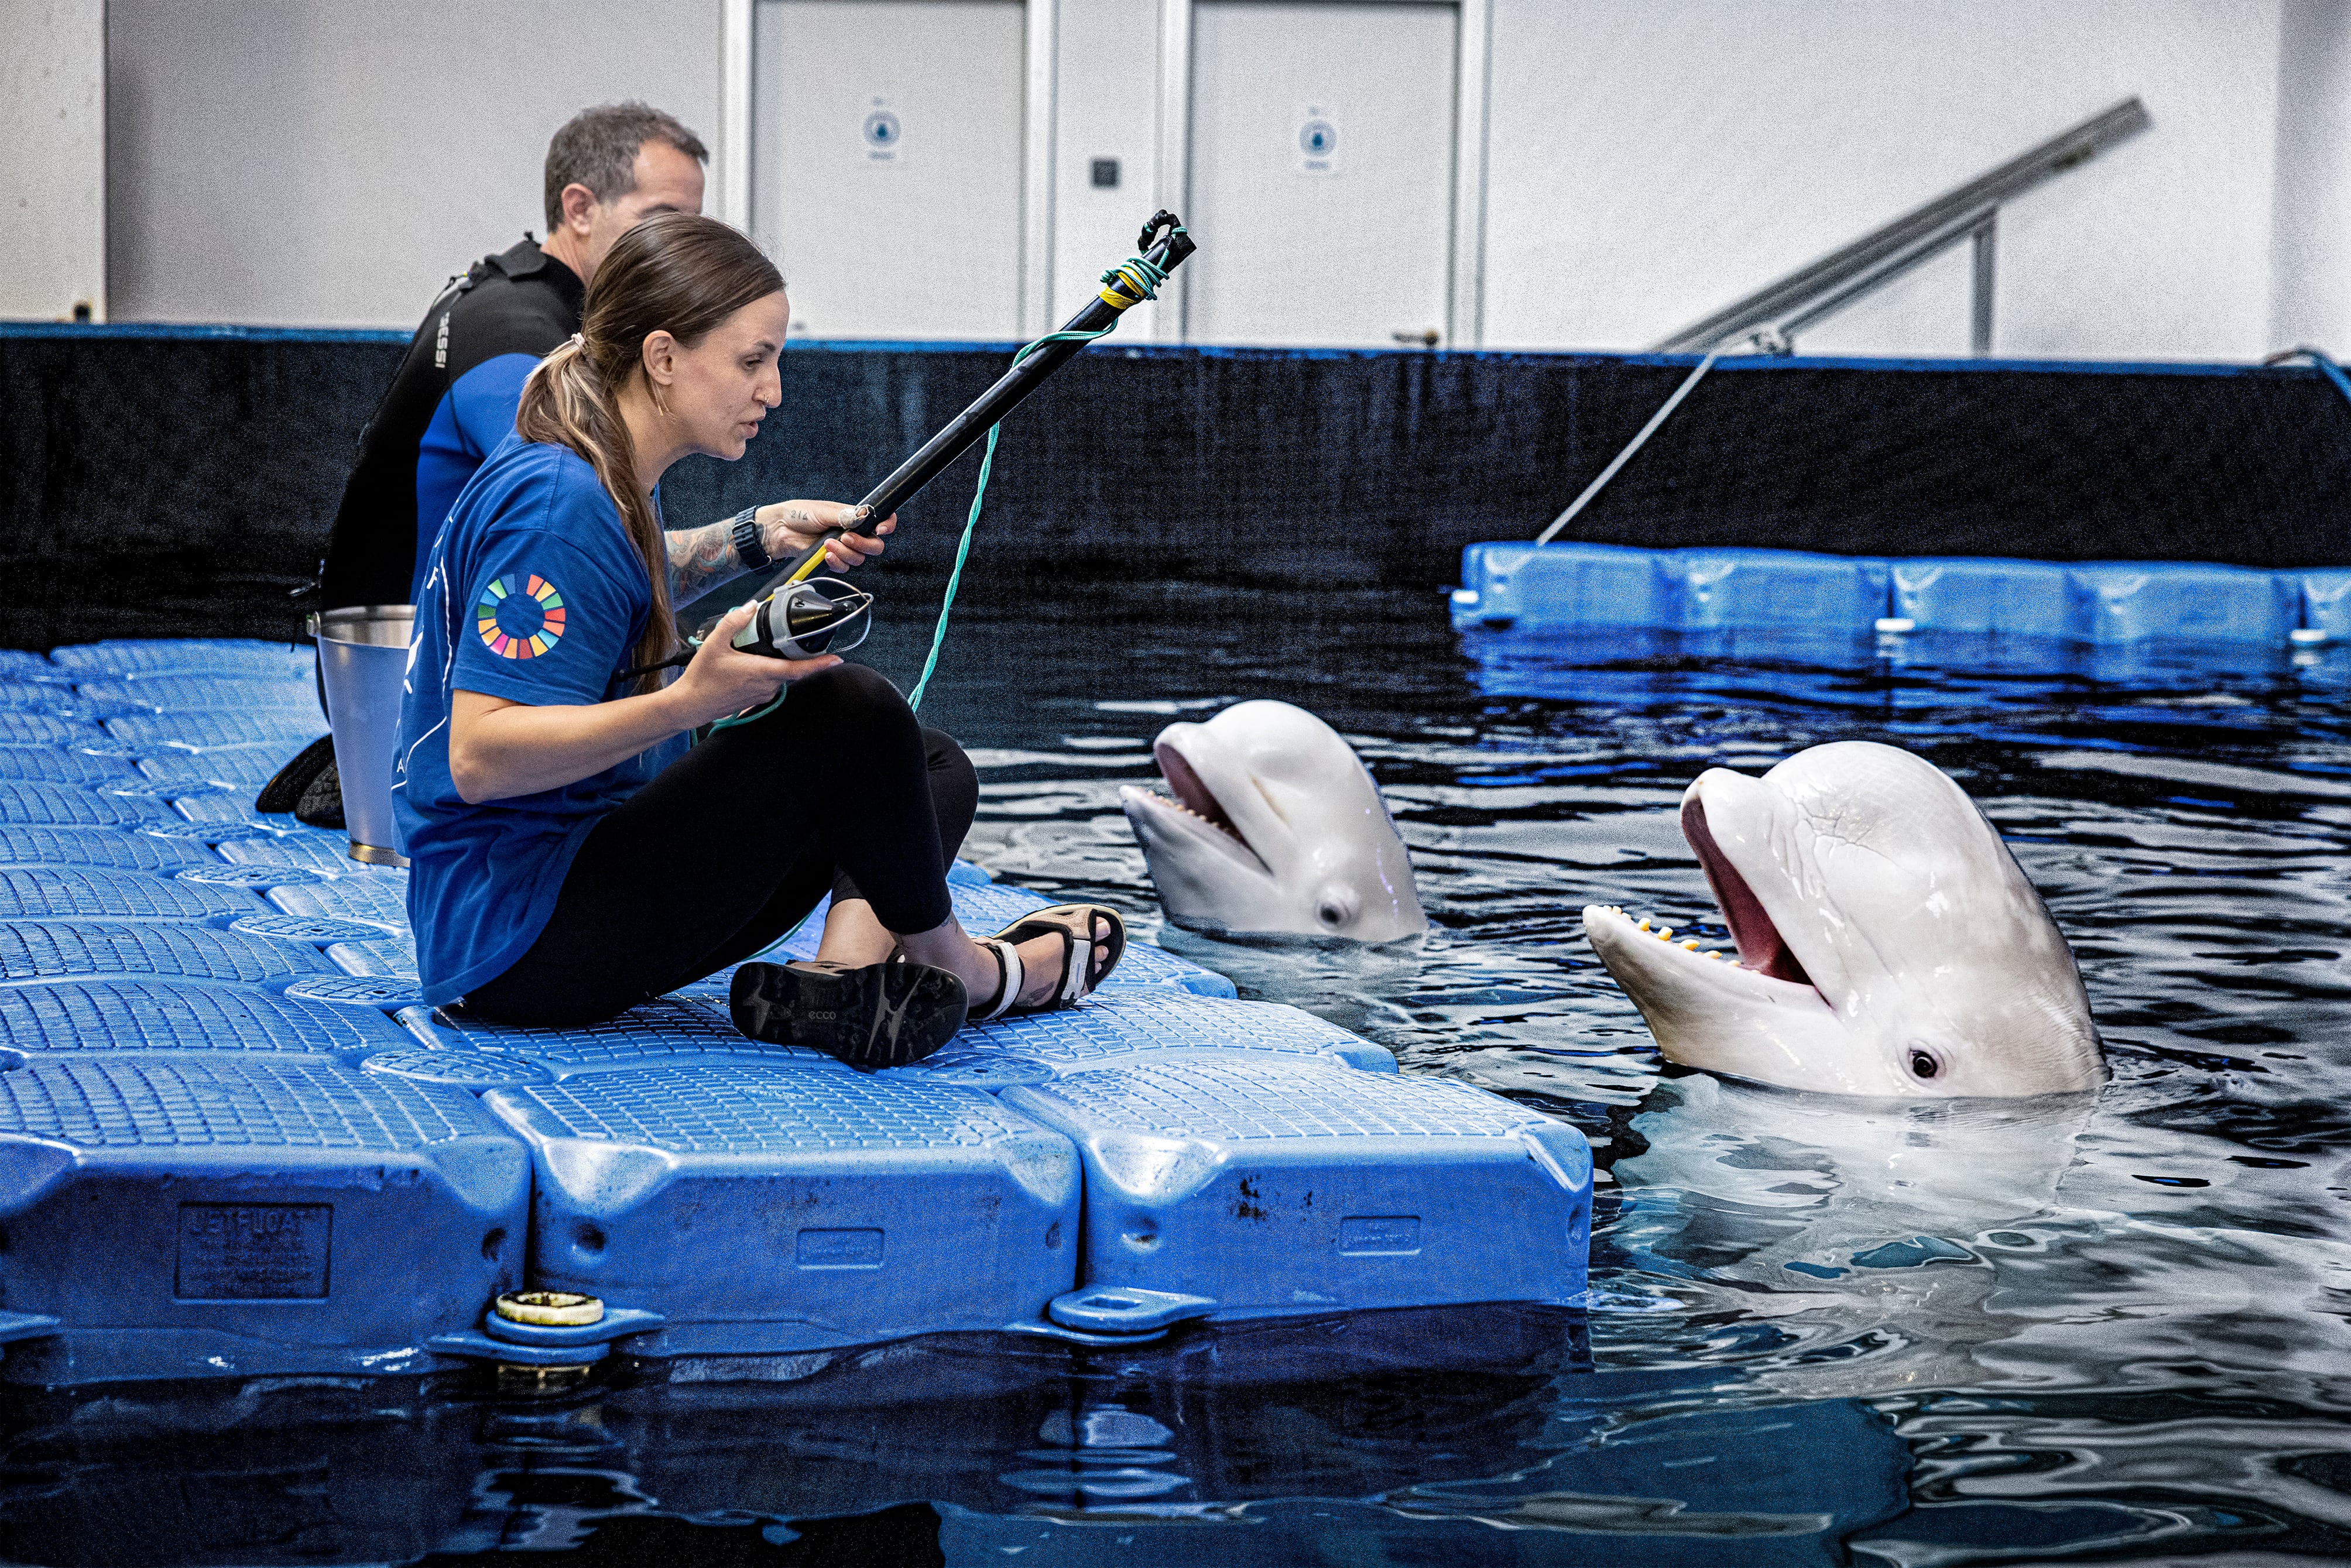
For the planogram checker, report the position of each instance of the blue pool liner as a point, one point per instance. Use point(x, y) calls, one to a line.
point(1279, 1187)
point(769, 1210)
point(236, 1213)
point(2103, 603)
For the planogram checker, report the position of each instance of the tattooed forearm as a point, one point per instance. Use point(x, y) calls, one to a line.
point(701, 559)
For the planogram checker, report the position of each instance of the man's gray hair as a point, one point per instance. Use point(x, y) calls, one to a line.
point(597, 147)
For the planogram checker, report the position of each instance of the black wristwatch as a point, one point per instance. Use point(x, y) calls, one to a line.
point(750, 542)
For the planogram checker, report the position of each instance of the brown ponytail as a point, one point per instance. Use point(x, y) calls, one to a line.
point(674, 272)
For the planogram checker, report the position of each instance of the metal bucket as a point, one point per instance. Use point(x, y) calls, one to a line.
point(363, 663)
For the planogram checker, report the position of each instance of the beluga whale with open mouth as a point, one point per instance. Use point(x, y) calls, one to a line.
point(1887, 942)
point(1276, 828)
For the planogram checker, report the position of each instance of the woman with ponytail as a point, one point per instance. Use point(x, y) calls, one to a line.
point(571, 855)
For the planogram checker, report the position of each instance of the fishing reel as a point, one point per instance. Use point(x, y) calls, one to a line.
point(802, 620)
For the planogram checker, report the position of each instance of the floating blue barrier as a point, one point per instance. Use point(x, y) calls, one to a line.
point(1760, 590)
point(391, 954)
point(47, 765)
point(2008, 597)
point(317, 930)
point(47, 845)
point(1137, 1028)
point(2326, 598)
point(658, 1033)
point(286, 729)
point(1277, 1188)
point(767, 1210)
point(2105, 603)
point(1686, 589)
point(229, 656)
point(201, 1215)
point(17, 729)
point(2185, 601)
point(129, 1013)
point(51, 949)
point(55, 892)
point(68, 805)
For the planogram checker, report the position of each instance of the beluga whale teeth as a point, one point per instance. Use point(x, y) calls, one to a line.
point(1887, 942)
point(1274, 828)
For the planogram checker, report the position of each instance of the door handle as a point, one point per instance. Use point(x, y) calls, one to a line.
point(1428, 337)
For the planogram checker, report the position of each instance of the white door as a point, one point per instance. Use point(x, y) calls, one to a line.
point(1322, 171)
point(887, 164)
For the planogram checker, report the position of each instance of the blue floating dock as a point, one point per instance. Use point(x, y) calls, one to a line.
point(18, 727)
point(51, 892)
point(205, 694)
point(200, 1216)
point(198, 1046)
point(1563, 586)
point(56, 845)
point(112, 1014)
point(1129, 1027)
point(52, 949)
point(68, 805)
point(658, 1033)
point(1279, 1187)
point(212, 731)
point(767, 1210)
point(235, 657)
point(47, 765)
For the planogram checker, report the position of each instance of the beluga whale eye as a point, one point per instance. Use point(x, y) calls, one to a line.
point(1334, 907)
point(1923, 1062)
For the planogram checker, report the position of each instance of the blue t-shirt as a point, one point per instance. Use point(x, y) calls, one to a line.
point(533, 593)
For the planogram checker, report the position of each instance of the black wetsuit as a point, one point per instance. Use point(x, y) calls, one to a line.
point(451, 403)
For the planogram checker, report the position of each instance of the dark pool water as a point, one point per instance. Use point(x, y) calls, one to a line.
point(2110, 1329)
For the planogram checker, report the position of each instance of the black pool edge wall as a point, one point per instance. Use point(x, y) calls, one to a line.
point(162, 480)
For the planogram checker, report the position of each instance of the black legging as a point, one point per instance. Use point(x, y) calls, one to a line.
point(730, 846)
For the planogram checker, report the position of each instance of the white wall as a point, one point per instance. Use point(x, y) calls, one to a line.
point(52, 157)
point(1652, 163)
point(2311, 254)
point(329, 163)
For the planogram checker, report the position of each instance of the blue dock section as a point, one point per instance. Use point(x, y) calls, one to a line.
point(217, 1077)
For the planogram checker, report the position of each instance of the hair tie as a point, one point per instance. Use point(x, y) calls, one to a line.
point(578, 342)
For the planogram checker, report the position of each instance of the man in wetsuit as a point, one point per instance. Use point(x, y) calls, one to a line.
point(454, 398)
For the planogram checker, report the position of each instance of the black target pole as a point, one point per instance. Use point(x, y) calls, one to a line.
point(1163, 244)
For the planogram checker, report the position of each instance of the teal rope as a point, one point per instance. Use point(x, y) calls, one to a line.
point(1136, 273)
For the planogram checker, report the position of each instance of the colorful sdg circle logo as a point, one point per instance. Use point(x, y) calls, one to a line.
point(519, 617)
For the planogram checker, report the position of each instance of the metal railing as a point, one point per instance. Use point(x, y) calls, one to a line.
point(1774, 314)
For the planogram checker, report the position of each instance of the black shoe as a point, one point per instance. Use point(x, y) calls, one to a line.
point(869, 1016)
point(322, 802)
point(285, 792)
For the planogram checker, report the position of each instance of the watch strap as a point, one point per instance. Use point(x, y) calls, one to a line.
point(750, 541)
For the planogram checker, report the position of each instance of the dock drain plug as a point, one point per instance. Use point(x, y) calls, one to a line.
point(545, 1342)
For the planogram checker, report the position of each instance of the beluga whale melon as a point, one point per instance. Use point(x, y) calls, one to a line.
point(1275, 828)
point(1887, 942)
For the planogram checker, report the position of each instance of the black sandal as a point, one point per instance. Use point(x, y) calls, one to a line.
point(869, 1016)
point(1080, 972)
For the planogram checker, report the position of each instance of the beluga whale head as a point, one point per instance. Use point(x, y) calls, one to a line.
point(1275, 828)
point(1887, 942)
